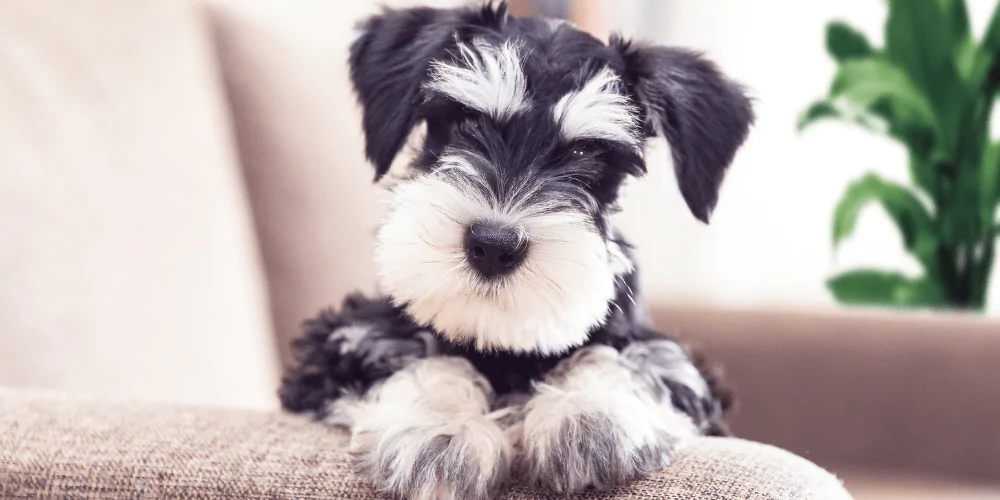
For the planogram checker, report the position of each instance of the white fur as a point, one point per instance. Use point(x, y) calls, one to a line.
point(598, 111)
point(665, 359)
point(395, 423)
point(350, 335)
point(599, 381)
point(547, 305)
point(555, 23)
point(489, 80)
point(356, 34)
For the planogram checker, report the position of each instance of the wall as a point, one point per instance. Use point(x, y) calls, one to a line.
point(769, 244)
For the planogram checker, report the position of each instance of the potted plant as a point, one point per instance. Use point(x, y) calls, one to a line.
point(932, 87)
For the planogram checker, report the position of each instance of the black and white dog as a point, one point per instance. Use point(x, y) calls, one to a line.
point(512, 340)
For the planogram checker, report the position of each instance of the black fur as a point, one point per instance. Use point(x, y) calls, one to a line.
point(327, 367)
point(703, 115)
point(324, 371)
point(681, 96)
point(388, 63)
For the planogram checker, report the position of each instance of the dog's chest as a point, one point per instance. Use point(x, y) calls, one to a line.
point(507, 372)
point(510, 372)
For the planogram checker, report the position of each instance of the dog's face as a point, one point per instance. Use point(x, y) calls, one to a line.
point(501, 236)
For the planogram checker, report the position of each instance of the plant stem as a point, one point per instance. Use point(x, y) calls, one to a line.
point(981, 274)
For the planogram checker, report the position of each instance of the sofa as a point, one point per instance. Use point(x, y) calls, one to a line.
point(182, 182)
point(54, 446)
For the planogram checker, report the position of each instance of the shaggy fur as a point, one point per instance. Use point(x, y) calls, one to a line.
point(512, 337)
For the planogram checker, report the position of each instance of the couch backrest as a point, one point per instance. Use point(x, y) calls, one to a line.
point(912, 391)
point(298, 129)
point(128, 264)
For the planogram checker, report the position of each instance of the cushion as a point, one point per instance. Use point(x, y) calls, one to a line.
point(129, 266)
point(52, 446)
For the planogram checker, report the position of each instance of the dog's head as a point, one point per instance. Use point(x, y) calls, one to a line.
point(501, 236)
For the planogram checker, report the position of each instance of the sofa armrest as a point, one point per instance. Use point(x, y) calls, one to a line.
point(54, 446)
point(912, 392)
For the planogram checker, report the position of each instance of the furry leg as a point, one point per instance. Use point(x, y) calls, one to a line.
point(343, 353)
point(602, 417)
point(425, 433)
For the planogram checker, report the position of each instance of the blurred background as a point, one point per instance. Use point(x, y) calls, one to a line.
point(182, 182)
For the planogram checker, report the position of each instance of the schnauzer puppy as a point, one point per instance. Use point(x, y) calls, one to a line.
point(511, 340)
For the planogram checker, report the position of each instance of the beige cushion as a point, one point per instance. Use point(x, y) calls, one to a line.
point(128, 266)
point(52, 447)
point(298, 127)
point(300, 145)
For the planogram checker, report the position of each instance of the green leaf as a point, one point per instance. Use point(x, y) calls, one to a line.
point(817, 111)
point(958, 18)
point(865, 287)
point(844, 110)
point(882, 89)
point(922, 173)
point(972, 63)
point(869, 81)
point(844, 42)
point(918, 40)
point(923, 46)
point(883, 288)
point(990, 49)
point(989, 182)
point(991, 38)
point(919, 293)
point(911, 217)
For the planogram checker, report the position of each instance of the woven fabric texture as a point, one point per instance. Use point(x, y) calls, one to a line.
point(52, 446)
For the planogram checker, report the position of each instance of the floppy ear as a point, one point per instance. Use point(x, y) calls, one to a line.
point(389, 62)
point(702, 114)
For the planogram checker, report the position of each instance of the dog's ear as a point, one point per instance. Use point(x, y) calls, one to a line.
point(389, 62)
point(703, 115)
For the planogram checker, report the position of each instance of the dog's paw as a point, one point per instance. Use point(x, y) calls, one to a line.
point(593, 450)
point(466, 458)
point(424, 434)
point(592, 423)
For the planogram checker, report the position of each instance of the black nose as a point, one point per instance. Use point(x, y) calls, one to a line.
point(493, 249)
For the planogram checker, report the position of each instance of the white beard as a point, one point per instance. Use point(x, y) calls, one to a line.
point(547, 305)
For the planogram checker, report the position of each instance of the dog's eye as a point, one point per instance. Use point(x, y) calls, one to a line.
point(583, 149)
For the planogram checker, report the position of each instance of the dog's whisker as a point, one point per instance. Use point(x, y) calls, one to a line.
point(424, 239)
point(630, 294)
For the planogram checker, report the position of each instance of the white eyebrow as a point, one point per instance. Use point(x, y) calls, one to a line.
point(598, 111)
point(490, 79)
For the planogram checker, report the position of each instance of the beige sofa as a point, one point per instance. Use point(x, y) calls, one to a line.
point(181, 184)
point(59, 447)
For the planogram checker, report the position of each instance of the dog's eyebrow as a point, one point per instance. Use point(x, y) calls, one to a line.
point(490, 79)
point(598, 111)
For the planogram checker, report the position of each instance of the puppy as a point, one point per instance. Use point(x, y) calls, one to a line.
point(511, 341)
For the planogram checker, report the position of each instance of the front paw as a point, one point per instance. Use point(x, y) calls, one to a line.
point(593, 424)
point(466, 458)
point(591, 450)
